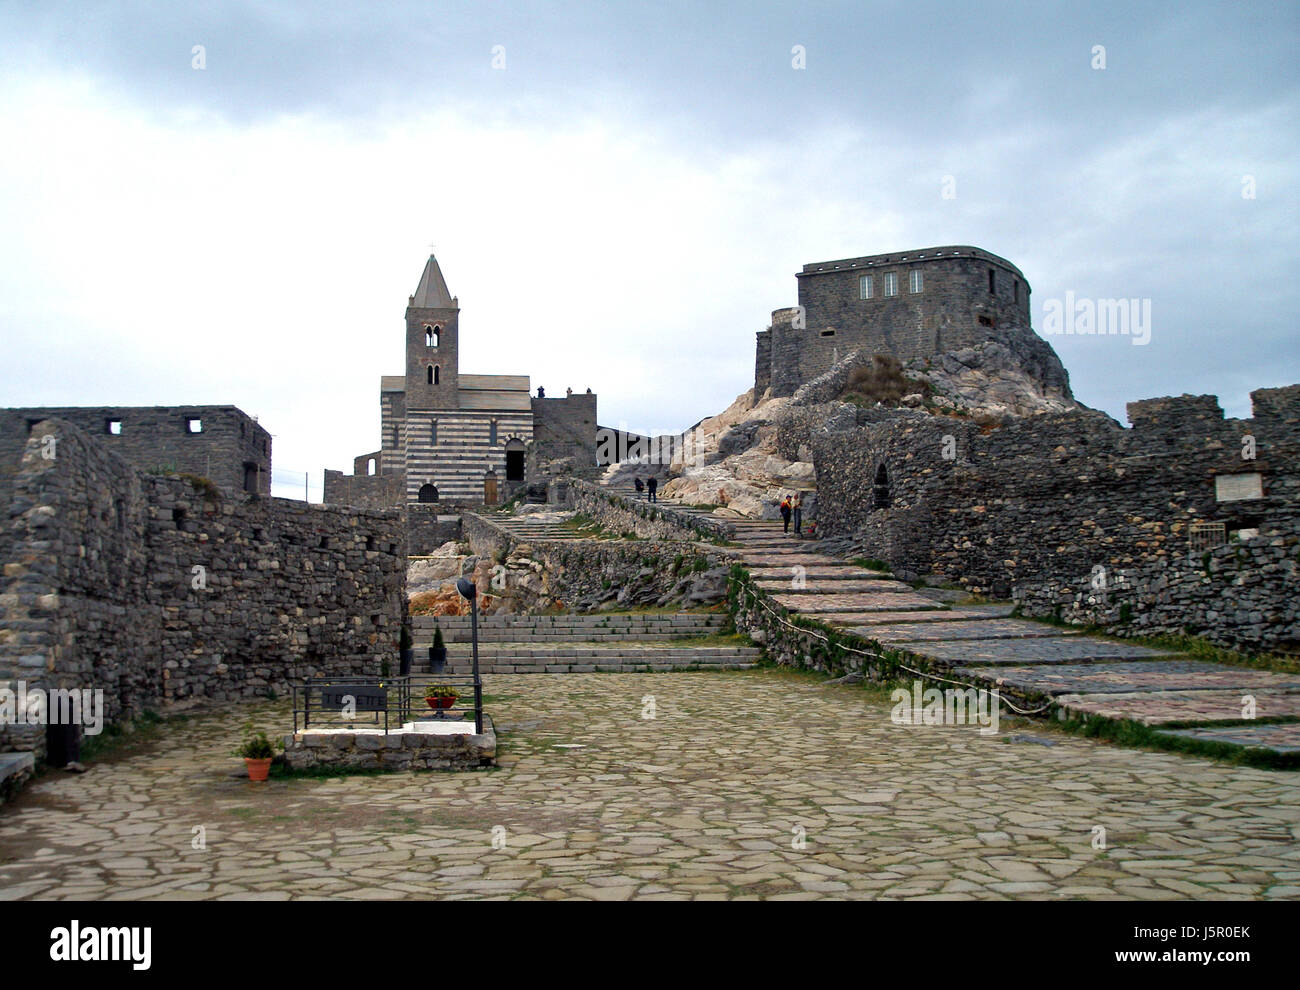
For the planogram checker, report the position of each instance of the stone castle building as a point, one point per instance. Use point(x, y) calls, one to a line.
point(909, 304)
point(448, 436)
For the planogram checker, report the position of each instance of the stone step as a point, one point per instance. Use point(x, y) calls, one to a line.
point(606, 666)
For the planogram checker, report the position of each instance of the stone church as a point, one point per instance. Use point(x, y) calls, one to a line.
point(449, 436)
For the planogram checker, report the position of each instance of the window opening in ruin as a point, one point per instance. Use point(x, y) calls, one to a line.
point(194, 426)
point(916, 280)
point(251, 473)
point(880, 496)
point(986, 321)
point(370, 466)
point(991, 287)
point(114, 427)
point(370, 542)
point(433, 431)
point(1015, 290)
point(428, 375)
point(828, 333)
point(492, 432)
point(178, 517)
point(428, 493)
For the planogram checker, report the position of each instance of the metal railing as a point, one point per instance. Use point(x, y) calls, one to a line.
point(387, 702)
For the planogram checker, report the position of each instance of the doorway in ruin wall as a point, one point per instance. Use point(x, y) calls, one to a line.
point(490, 488)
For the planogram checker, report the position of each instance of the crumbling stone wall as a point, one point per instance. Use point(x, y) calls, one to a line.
point(429, 525)
point(365, 491)
point(155, 589)
point(156, 439)
point(1048, 498)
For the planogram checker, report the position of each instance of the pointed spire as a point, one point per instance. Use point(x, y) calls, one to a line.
point(432, 292)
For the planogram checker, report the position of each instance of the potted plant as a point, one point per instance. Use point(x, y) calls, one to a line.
point(440, 696)
point(258, 752)
point(437, 652)
point(406, 648)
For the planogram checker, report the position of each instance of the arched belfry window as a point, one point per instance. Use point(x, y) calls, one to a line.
point(432, 335)
point(880, 495)
point(428, 374)
point(435, 374)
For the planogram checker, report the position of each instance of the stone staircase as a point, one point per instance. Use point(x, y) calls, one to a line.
point(1049, 667)
point(534, 526)
point(553, 644)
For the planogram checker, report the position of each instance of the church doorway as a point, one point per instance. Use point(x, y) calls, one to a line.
point(515, 460)
point(490, 488)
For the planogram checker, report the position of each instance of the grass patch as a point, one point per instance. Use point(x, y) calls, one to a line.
point(871, 564)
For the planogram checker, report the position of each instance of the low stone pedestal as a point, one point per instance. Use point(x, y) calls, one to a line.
point(425, 744)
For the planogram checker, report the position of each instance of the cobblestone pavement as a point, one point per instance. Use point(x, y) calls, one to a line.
point(709, 800)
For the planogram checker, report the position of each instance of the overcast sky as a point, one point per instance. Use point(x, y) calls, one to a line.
point(622, 200)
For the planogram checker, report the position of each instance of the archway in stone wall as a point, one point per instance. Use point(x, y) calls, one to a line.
point(428, 493)
point(881, 497)
point(515, 460)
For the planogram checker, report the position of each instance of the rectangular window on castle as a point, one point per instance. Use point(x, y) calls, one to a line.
point(916, 280)
point(891, 283)
point(194, 426)
point(866, 287)
point(433, 431)
point(113, 427)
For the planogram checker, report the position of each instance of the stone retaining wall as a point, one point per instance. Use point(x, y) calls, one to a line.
point(392, 751)
point(648, 520)
point(1245, 595)
point(154, 589)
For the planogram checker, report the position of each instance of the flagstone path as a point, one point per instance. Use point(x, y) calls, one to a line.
point(745, 785)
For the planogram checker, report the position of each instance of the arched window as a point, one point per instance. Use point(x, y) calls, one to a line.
point(880, 496)
point(428, 493)
point(492, 432)
point(370, 466)
point(435, 374)
point(432, 335)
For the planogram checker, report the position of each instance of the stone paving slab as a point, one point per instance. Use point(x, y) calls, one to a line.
point(826, 573)
point(1157, 707)
point(1062, 648)
point(1153, 675)
point(867, 622)
point(978, 630)
point(1284, 738)
point(856, 602)
point(815, 587)
point(596, 803)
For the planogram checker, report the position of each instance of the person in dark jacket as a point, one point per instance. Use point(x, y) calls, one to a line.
point(640, 487)
point(652, 486)
point(785, 512)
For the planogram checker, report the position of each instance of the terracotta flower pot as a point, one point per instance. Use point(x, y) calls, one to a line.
point(258, 769)
point(443, 702)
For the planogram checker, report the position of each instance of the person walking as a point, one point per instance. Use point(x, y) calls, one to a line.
point(785, 512)
point(640, 487)
point(652, 486)
point(797, 508)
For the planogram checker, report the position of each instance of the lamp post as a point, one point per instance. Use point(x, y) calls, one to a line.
point(470, 593)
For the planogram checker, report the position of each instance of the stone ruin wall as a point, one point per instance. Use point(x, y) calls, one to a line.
point(99, 588)
point(1035, 505)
